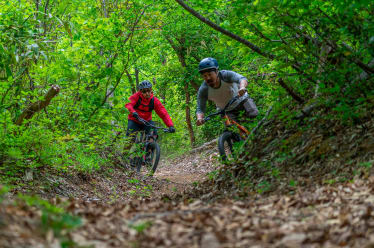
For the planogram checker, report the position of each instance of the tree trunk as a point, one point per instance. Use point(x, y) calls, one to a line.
point(133, 87)
point(137, 77)
point(188, 116)
point(252, 46)
point(180, 51)
point(295, 96)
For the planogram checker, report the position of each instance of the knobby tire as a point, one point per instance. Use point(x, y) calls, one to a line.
point(153, 149)
point(228, 138)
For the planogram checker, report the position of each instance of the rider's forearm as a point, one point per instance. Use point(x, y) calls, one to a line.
point(130, 107)
point(202, 97)
point(164, 115)
point(243, 84)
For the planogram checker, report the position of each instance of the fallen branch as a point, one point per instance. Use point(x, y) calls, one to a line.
point(39, 105)
point(290, 91)
point(252, 46)
point(364, 75)
point(204, 146)
point(306, 111)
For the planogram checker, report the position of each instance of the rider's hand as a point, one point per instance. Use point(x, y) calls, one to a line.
point(171, 129)
point(242, 91)
point(200, 119)
point(136, 115)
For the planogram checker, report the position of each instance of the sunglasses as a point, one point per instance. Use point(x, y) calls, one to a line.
point(144, 91)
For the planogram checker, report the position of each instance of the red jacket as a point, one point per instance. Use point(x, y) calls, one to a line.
point(143, 110)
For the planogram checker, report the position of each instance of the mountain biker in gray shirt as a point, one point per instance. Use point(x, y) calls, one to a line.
point(220, 87)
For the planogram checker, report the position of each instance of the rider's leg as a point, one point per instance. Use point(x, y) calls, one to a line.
point(245, 111)
point(132, 129)
point(250, 108)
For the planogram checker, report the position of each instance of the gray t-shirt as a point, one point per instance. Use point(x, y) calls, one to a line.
point(221, 96)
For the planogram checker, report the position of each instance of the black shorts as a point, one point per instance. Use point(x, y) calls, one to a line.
point(133, 127)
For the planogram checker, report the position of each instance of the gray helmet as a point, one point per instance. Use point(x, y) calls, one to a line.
point(145, 85)
point(208, 64)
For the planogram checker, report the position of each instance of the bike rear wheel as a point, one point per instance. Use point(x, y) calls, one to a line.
point(226, 145)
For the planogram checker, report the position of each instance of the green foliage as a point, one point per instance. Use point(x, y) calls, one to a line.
point(292, 183)
point(139, 189)
point(141, 226)
point(263, 187)
point(366, 165)
point(3, 191)
point(97, 54)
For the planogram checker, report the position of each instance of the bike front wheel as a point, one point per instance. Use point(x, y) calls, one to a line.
point(152, 157)
point(226, 145)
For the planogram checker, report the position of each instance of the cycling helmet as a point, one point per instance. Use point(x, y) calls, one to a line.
point(145, 85)
point(208, 64)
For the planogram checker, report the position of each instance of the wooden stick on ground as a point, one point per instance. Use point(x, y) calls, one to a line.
point(204, 146)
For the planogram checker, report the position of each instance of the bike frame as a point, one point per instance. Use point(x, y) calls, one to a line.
point(242, 130)
point(145, 140)
point(228, 121)
point(146, 137)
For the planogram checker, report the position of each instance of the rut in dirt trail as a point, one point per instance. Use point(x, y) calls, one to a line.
point(189, 168)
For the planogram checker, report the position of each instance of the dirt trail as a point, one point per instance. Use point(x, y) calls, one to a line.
point(188, 168)
point(181, 173)
point(340, 215)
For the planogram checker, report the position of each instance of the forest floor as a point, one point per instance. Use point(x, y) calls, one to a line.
point(120, 209)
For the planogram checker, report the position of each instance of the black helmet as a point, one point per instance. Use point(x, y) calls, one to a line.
point(145, 85)
point(208, 64)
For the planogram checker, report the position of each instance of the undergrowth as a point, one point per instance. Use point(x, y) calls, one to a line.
point(54, 220)
point(332, 144)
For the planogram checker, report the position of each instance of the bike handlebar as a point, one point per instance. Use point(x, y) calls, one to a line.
point(222, 111)
point(166, 130)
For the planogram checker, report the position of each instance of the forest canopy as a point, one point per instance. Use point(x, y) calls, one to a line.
point(67, 69)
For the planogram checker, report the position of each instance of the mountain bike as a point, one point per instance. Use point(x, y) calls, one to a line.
point(146, 152)
point(233, 133)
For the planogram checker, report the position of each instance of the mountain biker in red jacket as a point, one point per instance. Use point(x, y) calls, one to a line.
point(141, 105)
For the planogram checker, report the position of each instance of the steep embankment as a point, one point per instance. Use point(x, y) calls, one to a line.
point(316, 151)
